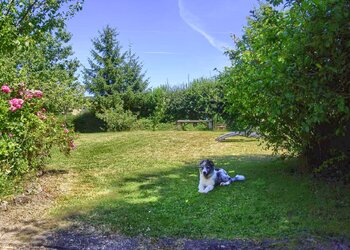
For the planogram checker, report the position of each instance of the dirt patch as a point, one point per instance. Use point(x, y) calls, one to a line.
point(24, 217)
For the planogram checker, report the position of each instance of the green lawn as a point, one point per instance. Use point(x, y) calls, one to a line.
point(145, 183)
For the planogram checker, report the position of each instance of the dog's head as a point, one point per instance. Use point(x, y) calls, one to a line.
point(206, 167)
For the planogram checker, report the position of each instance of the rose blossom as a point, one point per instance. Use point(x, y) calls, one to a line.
point(72, 145)
point(28, 94)
point(6, 89)
point(15, 104)
point(38, 94)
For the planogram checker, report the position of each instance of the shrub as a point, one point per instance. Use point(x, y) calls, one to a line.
point(28, 131)
point(289, 80)
point(165, 126)
point(142, 124)
point(117, 119)
point(87, 122)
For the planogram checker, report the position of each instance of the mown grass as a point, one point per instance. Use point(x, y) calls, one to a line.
point(145, 183)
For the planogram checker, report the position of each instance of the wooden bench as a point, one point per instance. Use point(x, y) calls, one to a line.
point(181, 123)
point(220, 126)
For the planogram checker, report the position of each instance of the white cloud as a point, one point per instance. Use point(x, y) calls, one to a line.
point(194, 22)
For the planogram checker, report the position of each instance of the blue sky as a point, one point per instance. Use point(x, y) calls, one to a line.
point(176, 40)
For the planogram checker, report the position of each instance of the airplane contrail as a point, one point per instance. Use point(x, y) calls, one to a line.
point(192, 21)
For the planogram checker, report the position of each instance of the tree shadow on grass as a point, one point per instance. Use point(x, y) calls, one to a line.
point(165, 205)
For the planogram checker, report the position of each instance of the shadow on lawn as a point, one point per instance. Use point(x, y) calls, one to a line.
point(166, 205)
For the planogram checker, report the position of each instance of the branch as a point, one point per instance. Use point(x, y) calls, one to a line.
point(9, 7)
point(27, 12)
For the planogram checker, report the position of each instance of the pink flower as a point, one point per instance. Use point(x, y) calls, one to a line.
point(10, 135)
point(72, 145)
point(15, 104)
point(6, 89)
point(43, 109)
point(28, 94)
point(66, 131)
point(38, 94)
point(41, 115)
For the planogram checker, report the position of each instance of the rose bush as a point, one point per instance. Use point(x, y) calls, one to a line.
point(27, 131)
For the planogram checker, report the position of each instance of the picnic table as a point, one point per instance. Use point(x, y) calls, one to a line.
point(181, 123)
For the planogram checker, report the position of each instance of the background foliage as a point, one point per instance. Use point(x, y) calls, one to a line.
point(289, 80)
point(28, 132)
point(33, 49)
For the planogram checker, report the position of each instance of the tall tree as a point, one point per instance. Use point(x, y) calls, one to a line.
point(105, 75)
point(113, 71)
point(134, 78)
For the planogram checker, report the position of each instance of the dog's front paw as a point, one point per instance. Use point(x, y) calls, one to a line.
point(225, 183)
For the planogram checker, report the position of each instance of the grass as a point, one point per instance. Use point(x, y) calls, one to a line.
point(145, 183)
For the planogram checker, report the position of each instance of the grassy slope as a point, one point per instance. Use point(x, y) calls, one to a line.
point(146, 183)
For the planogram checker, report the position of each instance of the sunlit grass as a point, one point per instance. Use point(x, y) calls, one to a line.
point(146, 183)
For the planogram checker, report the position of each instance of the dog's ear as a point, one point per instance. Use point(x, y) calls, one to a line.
point(201, 162)
point(211, 163)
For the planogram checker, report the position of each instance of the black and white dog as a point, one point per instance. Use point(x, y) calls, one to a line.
point(209, 177)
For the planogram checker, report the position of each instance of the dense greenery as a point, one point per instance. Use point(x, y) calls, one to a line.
point(37, 79)
point(289, 80)
point(28, 132)
point(116, 80)
point(121, 97)
point(200, 99)
point(33, 49)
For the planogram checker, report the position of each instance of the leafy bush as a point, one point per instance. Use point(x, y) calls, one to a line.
point(201, 99)
point(28, 131)
point(34, 47)
point(142, 124)
point(87, 122)
point(165, 126)
point(117, 119)
point(289, 80)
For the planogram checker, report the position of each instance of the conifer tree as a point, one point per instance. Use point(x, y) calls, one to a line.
point(113, 71)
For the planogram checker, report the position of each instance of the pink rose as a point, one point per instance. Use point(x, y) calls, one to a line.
point(28, 94)
point(72, 145)
point(15, 104)
point(6, 89)
point(38, 94)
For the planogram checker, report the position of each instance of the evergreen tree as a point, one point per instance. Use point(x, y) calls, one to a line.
point(133, 75)
point(113, 71)
point(104, 76)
